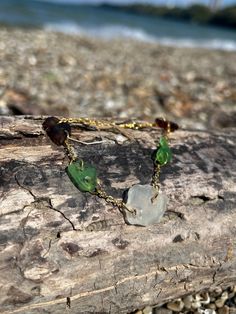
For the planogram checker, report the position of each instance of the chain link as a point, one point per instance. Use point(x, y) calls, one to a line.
point(111, 200)
point(70, 151)
point(155, 177)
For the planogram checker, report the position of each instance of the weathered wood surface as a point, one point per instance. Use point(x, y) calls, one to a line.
point(60, 246)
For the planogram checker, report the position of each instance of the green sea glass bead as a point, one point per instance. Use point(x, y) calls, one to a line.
point(164, 154)
point(82, 175)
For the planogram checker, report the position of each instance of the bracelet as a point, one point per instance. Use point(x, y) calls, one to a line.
point(143, 204)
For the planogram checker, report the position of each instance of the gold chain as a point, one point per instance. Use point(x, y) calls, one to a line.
point(108, 124)
point(111, 200)
point(136, 125)
point(156, 176)
point(88, 122)
point(70, 151)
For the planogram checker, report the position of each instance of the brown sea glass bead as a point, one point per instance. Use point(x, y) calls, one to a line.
point(56, 131)
point(166, 125)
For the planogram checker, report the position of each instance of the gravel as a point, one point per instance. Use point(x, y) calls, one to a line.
point(215, 301)
point(53, 73)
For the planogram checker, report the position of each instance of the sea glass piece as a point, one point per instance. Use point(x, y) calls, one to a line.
point(164, 154)
point(149, 207)
point(166, 125)
point(82, 175)
point(57, 132)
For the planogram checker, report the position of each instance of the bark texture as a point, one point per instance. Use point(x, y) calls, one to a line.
point(61, 249)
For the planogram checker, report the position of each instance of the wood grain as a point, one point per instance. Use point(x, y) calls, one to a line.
point(63, 250)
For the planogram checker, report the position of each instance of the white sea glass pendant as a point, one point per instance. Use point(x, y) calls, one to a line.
point(149, 207)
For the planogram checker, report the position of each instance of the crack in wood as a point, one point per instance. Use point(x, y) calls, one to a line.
point(102, 290)
point(25, 188)
point(47, 199)
point(57, 210)
point(31, 135)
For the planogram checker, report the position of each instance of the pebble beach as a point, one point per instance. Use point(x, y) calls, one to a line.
point(50, 73)
point(215, 301)
point(53, 73)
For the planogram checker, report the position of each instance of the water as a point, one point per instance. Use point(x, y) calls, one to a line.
point(106, 22)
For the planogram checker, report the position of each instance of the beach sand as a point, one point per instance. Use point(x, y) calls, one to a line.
point(57, 74)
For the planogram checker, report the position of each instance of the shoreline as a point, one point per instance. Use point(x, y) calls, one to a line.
point(45, 72)
point(124, 33)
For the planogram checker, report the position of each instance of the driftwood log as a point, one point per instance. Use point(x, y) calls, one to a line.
point(62, 250)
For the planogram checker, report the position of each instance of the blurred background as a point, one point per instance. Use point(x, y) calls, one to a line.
point(120, 58)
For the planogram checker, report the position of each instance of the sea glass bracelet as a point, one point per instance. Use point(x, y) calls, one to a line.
point(144, 204)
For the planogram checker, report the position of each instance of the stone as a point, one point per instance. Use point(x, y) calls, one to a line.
point(188, 301)
point(82, 175)
point(205, 298)
point(211, 306)
point(225, 295)
point(197, 297)
point(161, 310)
point(149, 209)
point(223, 310)
point(221, 301)
point(164, 154)
point(209, 311)
point(175, 306)
point(231, 294)
point(196, 304)
point(147, 310)
point(216, 292)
